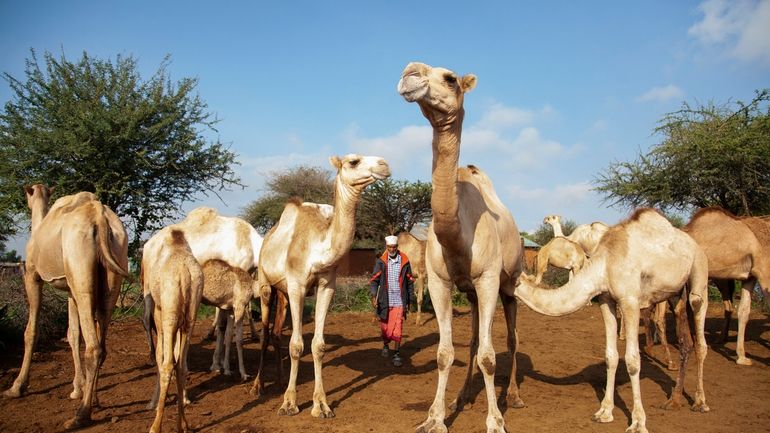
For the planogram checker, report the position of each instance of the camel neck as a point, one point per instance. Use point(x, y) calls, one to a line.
point(557, 230)
point(444, 201)
point(39, 210)
point(566, 299)
point(343, 224)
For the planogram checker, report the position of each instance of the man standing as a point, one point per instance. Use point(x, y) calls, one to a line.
point(392, 290)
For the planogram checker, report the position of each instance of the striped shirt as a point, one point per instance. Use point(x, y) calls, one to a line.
point(394, 289)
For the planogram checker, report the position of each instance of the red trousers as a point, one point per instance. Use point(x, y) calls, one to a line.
point(392, 328)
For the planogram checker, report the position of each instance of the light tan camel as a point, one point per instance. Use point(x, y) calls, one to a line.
point(638, 263)
point(211, 237)
point(229, 289)
point(415, 250)
point(473, 244)
point(585, 235)
point(79, 245)
point(299, 257)
point(176, 283)
point(737, 249)
point(561, 253)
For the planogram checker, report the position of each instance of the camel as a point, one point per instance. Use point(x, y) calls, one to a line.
point(270, 300)
point(211, 237)
point(176, 283)
point(638, 263)
point(473, 244)
point(585, 235)
point(78, 245)
point(299, 257)
point(737, 249)
point(415, 250)
point(229, 289)
point(561, 253)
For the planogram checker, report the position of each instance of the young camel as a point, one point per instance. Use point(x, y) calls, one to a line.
point(211, 237)
point(473, 244)
point(299, 257)
point(585, 235)
point(176, 283)
point(561, 253)
point(638, 263)
point(415, 250)
point(79, 245)
point(737, 249)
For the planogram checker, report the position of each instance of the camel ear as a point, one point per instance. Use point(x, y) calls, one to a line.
point(50, 191)
point(28, 191)
point(336, 162)
point(468, 82)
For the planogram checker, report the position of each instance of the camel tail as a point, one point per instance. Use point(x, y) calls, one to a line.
point(104, 233)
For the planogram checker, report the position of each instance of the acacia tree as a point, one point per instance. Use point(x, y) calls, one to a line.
point(95, 125)
point(711, 155)
point(312, 184)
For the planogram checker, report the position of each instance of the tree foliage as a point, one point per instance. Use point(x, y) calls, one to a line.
point(391, 206)
point(312, 184)
point(95, 125)
point(710, 155)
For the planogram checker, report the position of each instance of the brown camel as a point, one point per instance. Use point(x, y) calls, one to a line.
point(176, 282)
point(737, 249)
point(80, 246)
point(473, 244)
point(300, 256)
point(638, 263)
point(415, 250)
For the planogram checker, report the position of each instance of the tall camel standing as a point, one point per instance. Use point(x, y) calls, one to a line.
point(415, 250)
point(79, 245)
point(176, 282)
point(638, 263)
point(473, 244)
point(299, 257)
point(737, 249)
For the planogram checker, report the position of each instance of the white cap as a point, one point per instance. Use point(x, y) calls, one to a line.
point(391, 240)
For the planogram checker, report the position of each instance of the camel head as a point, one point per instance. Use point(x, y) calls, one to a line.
point(438, 91)
point(552, 219)
point(360, 171)
point(38, 193)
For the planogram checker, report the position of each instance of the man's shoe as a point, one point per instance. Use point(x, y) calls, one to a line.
point(396, 360)
point(385, 352)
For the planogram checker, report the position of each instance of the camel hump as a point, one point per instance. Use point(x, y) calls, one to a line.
point(177, 238)
point(105, 236)
point(202, 214)
point(760, 229)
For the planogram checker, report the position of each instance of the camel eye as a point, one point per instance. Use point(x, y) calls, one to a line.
point(354, 162)
point(450, 79)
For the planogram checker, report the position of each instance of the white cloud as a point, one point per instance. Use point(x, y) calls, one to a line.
point(661, 94)
point(560, 196)
point(499, 116)
point(740, 27)
point(409, 146)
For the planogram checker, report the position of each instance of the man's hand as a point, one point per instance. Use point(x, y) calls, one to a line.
point(374, 302)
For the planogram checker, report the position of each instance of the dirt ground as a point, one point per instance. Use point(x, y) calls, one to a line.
point(561, 376)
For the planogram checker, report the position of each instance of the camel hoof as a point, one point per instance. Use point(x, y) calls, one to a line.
point(515, 402)
point(602, 416)
point(76, 394)
point(431, 425)
point(150, 406)
point(621, 337)
point(671, 404)
point(77, 422)
point(288, 410)
point(13, 393)
point(636, 428)
point(672, 367)
point(322, 411)
point(700, 407)
point(744, 361)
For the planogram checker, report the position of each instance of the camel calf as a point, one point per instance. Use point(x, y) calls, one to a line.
point(230, 289)
point(175, 283)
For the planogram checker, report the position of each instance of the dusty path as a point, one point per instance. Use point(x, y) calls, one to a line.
point(561, 374)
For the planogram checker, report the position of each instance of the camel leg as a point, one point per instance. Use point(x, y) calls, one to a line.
point(181, 380)
point(221, 326)
point(685, 348)
point(510, 307)
point(73, 337)
point(33, 286)
point(239, 311)
point(229, 330)
point(726, 289)
point(148, 323)
point(440, 296)
point(608, 308)
point(278, 321)
point(744, 308)
point(659, 318)
point(487, 290)
point(326, 287)
point(212, 334)
point(633, 365)
point(464, 397)
point(698, 299)
point(619, 315)
point(419, 293)
point(165, 359)
point(106, 305)
point(267, 296)
point(252, 326)
point(296, 347)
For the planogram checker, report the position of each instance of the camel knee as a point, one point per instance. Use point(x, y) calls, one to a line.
point(611, 359)
point(445, 357)
point(632, 365)
point(487, 363)
point(318, 346)
point(295, 350)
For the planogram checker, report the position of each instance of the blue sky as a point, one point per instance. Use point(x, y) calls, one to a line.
point(564, 88)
